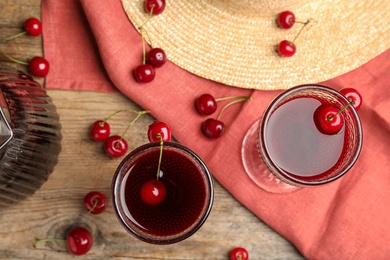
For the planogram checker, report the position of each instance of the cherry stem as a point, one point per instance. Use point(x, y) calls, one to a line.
point(95, 202)
point(48, 240)
point(158, 135)
point(139, 114)
point(149, 17)
point(241, 99)
point(143, 48)
point(304, 25)
point(229, 97)
point(351, 103)
point(14, 36)
point(124, 110)
point(13, 59)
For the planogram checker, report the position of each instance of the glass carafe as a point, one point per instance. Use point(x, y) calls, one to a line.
point(30, 136)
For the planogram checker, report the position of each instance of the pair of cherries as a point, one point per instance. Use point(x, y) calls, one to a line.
point(38, 66)
point(114, 145)
point(206, 104)
point(155, 57)
point(286, 20)
point(329, 120)
point(79, 239)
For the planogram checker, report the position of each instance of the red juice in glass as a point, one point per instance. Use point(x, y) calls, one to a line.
point(286, 143)
point(189, 193)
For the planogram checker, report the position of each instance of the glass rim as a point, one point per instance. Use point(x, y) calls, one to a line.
point(278, 171)
point(193, 227)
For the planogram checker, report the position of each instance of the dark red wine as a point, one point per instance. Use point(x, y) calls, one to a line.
point(296, 145)
point(189, 192)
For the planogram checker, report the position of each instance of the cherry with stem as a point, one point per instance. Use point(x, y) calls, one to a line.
point(288, 48)
point(206, 104)
point(153, 192)
point(38, 66)
point(32, 27)
point(214, 128)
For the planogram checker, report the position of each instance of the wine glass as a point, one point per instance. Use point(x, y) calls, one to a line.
point(189, 196)
point(285, 151)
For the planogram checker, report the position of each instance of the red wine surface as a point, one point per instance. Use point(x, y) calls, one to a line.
point(186, 198)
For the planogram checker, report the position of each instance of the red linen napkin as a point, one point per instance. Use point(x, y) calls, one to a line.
point(92, 46)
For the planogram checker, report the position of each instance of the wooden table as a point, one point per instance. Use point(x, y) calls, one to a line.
point(83, 167)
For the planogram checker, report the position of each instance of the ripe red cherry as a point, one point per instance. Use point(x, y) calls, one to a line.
point(95, 202)
point(156, 57)
point(115, 146)
point(206, 104)
point(213, 128)
point(144, 73)
point(100, 130)
point(159, 6)
point(39, 67)
point(33, 26)
point(238, 253)
point(153, 192)
point(79, 240)
point(286, 20)
point(353, 95)
point(286, 48)
point(158, 127)
point(328, 119)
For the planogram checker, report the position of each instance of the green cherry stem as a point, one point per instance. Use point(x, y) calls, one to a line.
point(48, 240)
point(13, 59)
point(139, 114)
point(149, 17)
point(14, 36)
point(158, 135)
point(95, 202)
point(229, 97)
point(351, 103)
point(241, 99)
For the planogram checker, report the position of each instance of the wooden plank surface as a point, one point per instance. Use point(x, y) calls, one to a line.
point(84, 167)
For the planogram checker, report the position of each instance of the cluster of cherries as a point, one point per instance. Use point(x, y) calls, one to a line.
point(329, 119)
point(38, 66)
point(79, 239)
point(155, 57)
point(114, 145)
point(206, 104)
point(286, 20)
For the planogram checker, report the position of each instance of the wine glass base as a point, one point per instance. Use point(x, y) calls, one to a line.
point(255, 167)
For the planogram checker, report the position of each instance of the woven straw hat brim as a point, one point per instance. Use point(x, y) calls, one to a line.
point(234, 41)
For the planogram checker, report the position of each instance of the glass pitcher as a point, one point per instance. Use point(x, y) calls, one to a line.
point(30, 136)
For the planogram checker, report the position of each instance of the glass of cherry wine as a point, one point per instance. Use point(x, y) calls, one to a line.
point(309, 135)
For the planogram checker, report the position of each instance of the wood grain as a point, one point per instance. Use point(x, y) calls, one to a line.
point(83, 166)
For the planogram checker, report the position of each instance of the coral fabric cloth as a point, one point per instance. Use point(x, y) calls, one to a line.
point(92, 46)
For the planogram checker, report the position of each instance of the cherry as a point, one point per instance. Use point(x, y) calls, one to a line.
point(213, 128)
point(328, 119)
point(100, 130)
point(159, 131)
point(156, 57)
point(206, 104)
point(153, 192)
point(154, 7)
point(286, 20)
point(95, 202)
point(33, 26)
point(115, 146)
point(39, 67)
point(238, 253)
point(353, 96)
point(144, 73)
point(79, 240)
point(286, 48)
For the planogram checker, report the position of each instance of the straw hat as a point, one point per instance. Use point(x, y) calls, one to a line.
point(234, 41)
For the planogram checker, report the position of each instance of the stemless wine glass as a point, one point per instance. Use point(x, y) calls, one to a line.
point(284, 150)
point(189, 197)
